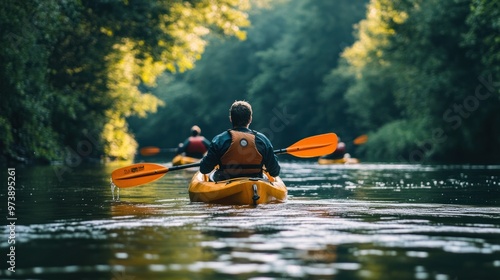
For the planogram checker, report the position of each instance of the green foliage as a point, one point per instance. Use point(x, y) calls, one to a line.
point(25, 113)
point(279, 68)
point(202, 96)
point(482, 36)
point(291, 72)
point(420, 76)
point(401, 144)
point(415, 55)
point(74, 68)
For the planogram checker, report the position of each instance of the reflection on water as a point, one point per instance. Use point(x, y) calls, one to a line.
point(365, 221)
point(401, 183)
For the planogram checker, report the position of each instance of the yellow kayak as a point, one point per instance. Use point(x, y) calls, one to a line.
point(345, 160)
point(237, 191)
point(181, 160)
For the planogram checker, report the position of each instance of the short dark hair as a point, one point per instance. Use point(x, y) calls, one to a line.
point(240, 112)
point(195, 130)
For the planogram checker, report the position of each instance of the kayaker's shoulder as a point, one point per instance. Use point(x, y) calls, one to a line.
point(221, 136)
point(262, 136)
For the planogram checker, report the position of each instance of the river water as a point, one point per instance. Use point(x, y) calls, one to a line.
point(363, 221)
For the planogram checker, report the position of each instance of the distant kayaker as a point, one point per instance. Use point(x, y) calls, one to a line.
point(240, 151)
point(196, 145)
point(339, 153)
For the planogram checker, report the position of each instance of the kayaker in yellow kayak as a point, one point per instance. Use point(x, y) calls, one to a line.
point(196, 145)
point(240, 151)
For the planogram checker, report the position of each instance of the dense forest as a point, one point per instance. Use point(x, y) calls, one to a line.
point(71, 72)
point(100, 78)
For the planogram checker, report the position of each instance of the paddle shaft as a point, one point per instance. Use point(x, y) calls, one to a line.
point(159, 171)
point(296, 149)
point(142, 173)
point(185, 166)
point(151, 151)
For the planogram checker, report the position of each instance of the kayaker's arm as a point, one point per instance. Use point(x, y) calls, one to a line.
point(182, 148)
point(206, 143)
point(208, 162)
point(269, 157)
point(272, 166)
point(211, 159)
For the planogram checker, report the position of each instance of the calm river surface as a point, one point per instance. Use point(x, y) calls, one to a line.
point(364, 221)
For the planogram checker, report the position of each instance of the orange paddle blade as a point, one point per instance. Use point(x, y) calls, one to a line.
point(137, 174)
point(361, 139)
point(314, 146)
point(150, 151)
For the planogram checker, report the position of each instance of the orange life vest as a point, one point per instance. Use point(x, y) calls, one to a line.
point(242, 159)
